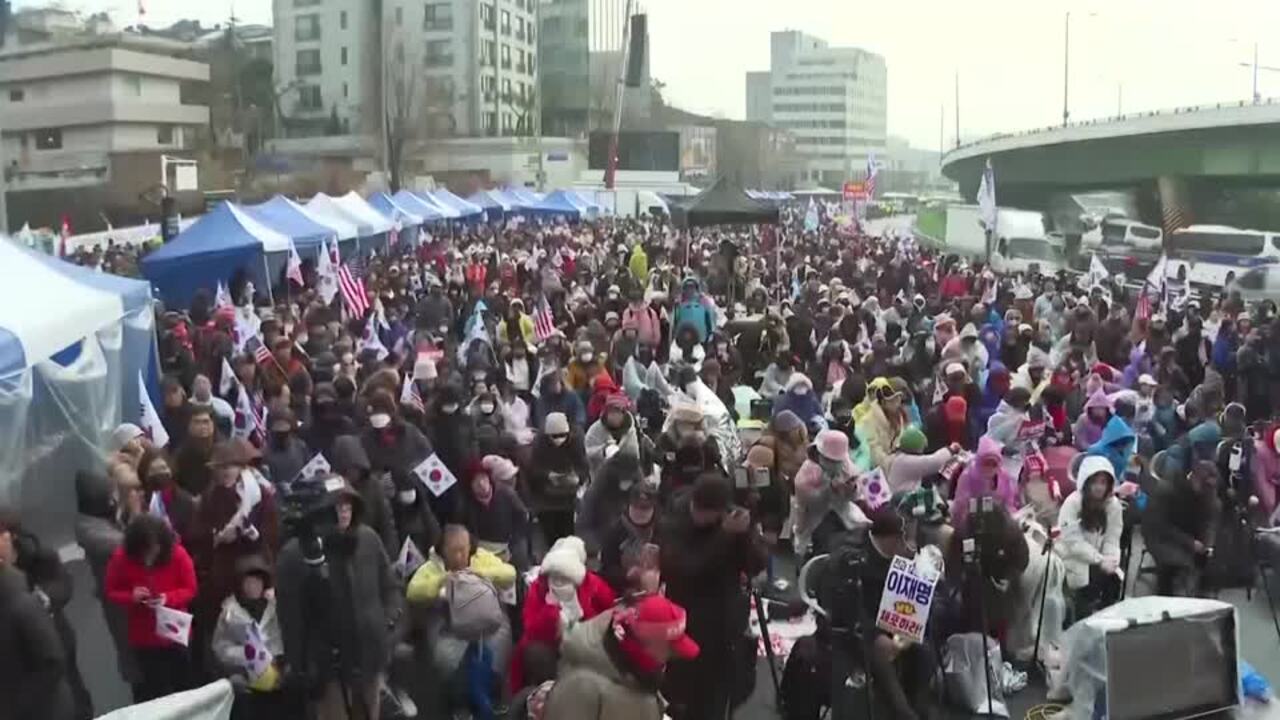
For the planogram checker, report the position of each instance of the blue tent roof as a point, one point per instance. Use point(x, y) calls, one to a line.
point(464, 208)
point(279, 214)
point(442, 207)
point(557, 203)
point(223, 240)
point(526, 196)
point(427, 211)
point(393, 210)
point(492, 200)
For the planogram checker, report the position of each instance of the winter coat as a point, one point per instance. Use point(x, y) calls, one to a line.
point(231, 634)
point(606, 497)
point(427, 584)
point(1175, 517)
point(352, 608)
point(703, 570)
point(216, 563)
point(175, 579)
point(566, 402)
point(1266, 472)
point(799, 397)
point(33, 665)
point(542, 618)
point(1117, 445)
point(817, 495)
point(1087, 432)
point(647, 323)
point(504, 520)
point(972, 485)
point(526, 329)
point(348, 457)
point(454, 440)
point(179, 509)
point(599, 437)
point(788, 455)
point(284, 463)
point(621, 544)
point(593, 683)
point(98, 533)
point(1081, 548)
point(905, 472)
point(695, 314)
point(549, 459)
point(323, 432)
point(879, 434)
point(682, 464)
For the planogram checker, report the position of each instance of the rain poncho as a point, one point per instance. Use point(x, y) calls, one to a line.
point(1086, 430)
point(978, 481)
point(636, 378)
point(800, 399)
point(718, 422)
point(1117, 445)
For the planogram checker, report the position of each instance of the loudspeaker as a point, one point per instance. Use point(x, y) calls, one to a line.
point(639, 44)
point(1173, 668)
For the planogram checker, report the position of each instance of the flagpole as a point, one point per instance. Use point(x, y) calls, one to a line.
point(266, 270)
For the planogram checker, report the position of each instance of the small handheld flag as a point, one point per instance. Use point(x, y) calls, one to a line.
point(149, 418)
point(435, 475)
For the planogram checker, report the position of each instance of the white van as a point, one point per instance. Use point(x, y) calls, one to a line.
point(1215, 255)
point(1113, 233)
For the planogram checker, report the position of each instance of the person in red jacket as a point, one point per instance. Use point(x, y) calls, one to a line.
point(149, 570)
point(565, 594)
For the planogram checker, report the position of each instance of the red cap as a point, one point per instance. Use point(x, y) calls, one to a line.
point(657, 618)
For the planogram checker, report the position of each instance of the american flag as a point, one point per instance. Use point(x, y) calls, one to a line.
point(544, 325)
point(351, 284)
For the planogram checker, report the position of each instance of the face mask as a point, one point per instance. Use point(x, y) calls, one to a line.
point(801, 390)
point(585, 357)
point(562, 590)
point(406, 497)
point(449, 409)
point(379, 420)
point(486, 408)
point(558, 441)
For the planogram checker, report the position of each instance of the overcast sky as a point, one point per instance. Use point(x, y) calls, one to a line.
point(1008, 53)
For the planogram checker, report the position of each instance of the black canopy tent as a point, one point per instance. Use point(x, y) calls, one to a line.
point(723, 204)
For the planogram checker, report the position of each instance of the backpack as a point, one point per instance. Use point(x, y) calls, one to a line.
point(474, 610)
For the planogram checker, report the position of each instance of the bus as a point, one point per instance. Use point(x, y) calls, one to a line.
point(899, 202)
point(1215, 255)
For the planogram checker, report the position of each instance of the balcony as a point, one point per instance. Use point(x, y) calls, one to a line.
point(57, 171)
point(306, 70)
point(439, 24)
point(71, 113)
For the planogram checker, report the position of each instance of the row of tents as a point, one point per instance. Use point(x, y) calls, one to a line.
point(257, 239)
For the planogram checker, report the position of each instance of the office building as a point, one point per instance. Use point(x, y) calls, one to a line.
point(90, 112)
point(831, 99)
point(452, 67)
point(581, 48)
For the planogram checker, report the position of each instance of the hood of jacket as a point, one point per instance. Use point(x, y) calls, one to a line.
point(1098, 399)
point(1116, 430)
point(583, 648)
point(988, 447)
point(1206, 433)
point(348, 453)
point(1092, 465)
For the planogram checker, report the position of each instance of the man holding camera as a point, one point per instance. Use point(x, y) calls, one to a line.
point(710, 549)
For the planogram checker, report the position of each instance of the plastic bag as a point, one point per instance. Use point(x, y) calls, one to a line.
point(1253, 685)
point(966, 677)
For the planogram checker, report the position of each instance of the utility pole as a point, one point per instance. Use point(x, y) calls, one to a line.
point(1119, 99)
point(1066, 65)
point(4, 167)
point(957, 108)
point(942, 121)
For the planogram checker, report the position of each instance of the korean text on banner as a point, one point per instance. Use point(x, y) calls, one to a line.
point(906, 600)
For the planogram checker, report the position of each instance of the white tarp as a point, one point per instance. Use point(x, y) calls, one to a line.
point(272, 241)
point(211, 702)
point(358, 207)
point(342, 227)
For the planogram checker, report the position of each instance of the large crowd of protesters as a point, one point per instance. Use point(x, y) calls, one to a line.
point(624, 426)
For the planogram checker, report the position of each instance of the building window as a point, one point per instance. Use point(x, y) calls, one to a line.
point(506, 89)
point(486, 17)
point(306, 27)
point(342, 20)
point(399, 16)
point(506, 56)
point(488, 121)
point(439, 16)
point(530, 31)
point(486, 53)
point(134, 84)
point(530, 64)
point(506, 22)
point(309, 62)
point(508, 122)
point(164, 134)
point(439, 53)
point(309, 97)
point(519, 28)
point(520, 65)
point(16, 95)
point(49, 139)
point(344, 90)
point(344, 54)
point(487, 86)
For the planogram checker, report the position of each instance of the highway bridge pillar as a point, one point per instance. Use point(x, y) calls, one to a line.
point(1175, 202)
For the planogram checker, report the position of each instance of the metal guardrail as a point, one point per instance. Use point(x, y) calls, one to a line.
point(1182, 110)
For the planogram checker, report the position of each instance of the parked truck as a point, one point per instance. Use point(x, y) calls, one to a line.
point(1020, 242)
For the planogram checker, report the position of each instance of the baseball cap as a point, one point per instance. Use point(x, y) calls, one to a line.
point(657, 618)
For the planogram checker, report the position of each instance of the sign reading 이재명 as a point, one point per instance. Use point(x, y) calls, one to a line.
point(907, 597)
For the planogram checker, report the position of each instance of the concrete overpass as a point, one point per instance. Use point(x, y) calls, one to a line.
point(1212, 163)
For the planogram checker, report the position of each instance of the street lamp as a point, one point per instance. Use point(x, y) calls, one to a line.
point(1256, 67)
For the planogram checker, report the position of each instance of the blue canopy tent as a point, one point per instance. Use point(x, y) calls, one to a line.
point(466, 210)
point(511, 198)
point(224, 240)
point(593, 208)
point(556, 205)
point(73, 344)
point(393, 210)
point(496, 207)
point(443, 208)
point(429, 212)
point(283, 215)
point(527, 197)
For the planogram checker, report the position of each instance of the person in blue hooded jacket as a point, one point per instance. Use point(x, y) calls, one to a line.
point(1200, 443)
point(693, 311)
point(1117, 444)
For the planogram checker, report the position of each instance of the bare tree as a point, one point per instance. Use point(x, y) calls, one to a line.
point(402, 110)
point(526, 108)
